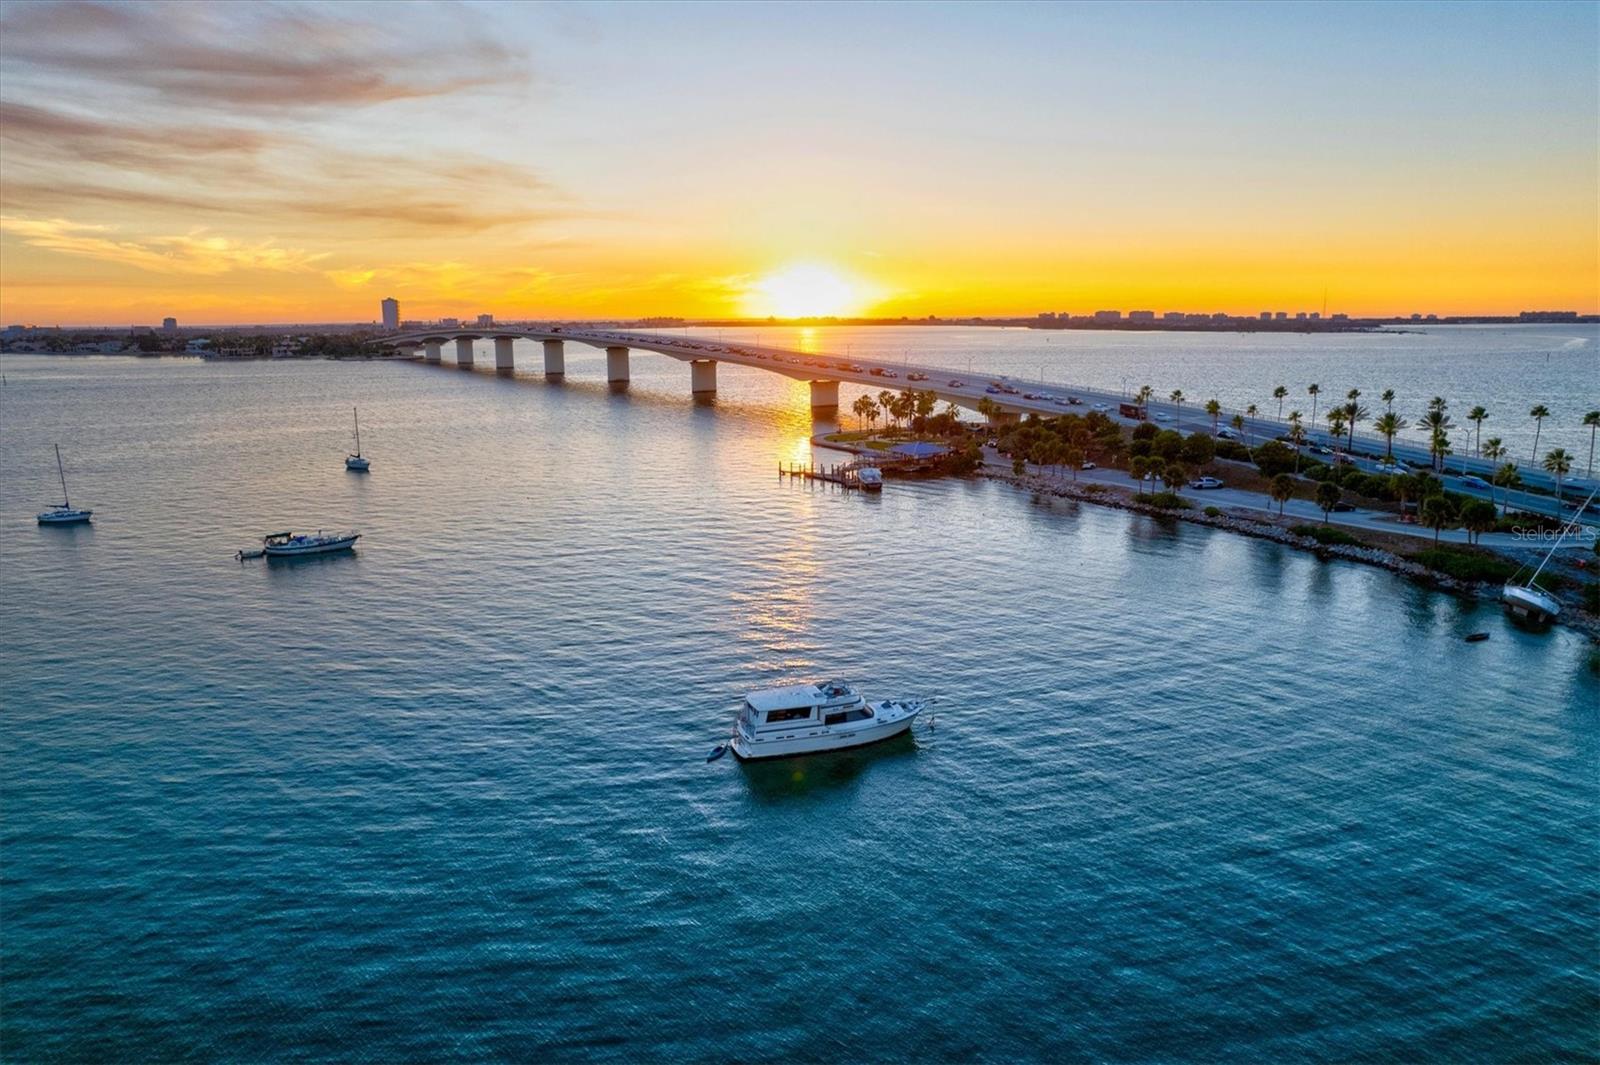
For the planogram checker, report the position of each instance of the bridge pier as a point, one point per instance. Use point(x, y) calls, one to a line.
point(463, 351)
point(432, 348)
point(702, 375)
point(502, 354)
point(824, 394)
point(617, 364)
point(555, 357)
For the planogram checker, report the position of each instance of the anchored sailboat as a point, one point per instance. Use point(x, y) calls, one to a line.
point(63, 513)
point(1531, 601)
point(357, 461)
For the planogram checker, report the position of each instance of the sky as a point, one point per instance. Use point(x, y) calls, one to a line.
point(236, 163)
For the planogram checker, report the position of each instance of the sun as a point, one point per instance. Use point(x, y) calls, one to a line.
point(805, 290)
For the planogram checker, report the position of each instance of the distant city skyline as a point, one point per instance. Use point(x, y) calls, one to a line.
point(609, 161)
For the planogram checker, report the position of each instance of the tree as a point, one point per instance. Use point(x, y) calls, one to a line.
point(1237, 421)
point(1214, 409)
point(1145, 392)
point(1479, 517)
point(886, 401)
point(1139, 469)
point(1278, 394)
point(1282, 490)
point(1538, 414)
point(1436, 513)
point(926, 401)
point(1175, 475)
point(1388, 399)
point(1493, 449)
point(1075, 460)
point(1559, 463)
point(1508, 478)
point(1592, 420)
point(1018, 467)
point(1178, 397)
point(1336, 419)
point(1314, 391)
point(1166, 444)
point(1476, 416)
point(1199, 450)
point(1436, 423)
point(1297, 435)
point(1156, 468)
point(1389, 423)
point(1353, 412)
point(1274, 457)
point(866, 408)
point(1328, 495)
point(988, 408)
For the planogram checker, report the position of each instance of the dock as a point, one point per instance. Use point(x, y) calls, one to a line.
point(843, 474)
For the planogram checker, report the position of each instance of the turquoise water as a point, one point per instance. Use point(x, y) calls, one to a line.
point(1188, 796)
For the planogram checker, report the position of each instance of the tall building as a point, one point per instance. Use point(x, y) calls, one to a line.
point(1108, 316)
point(485, 320)
point(391, 313)
point(1141, 316)
point(169, 325)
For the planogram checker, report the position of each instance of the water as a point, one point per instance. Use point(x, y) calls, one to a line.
point(1189, 795)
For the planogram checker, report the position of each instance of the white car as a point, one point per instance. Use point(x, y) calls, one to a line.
point(1205, 482)
point(1087, 466)
point(1392, 467)
point(1163, 417)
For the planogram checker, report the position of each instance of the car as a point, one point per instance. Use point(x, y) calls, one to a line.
point(991, 442)
point(956, 382)
point(1205, 482)
point(916, 377)
point(1163, 416)
point(1322, 449)
point(1031, 395)
point(876, 371)
point(1225, 434)
point(1087, 466)
point(1008, 390)
point(1393, 467)
point(1102, 408)
point(1475, 482)
point(1063, 402)
point(890, 373)
point(1341, 507)
point(993, 391)
point(1075, 401)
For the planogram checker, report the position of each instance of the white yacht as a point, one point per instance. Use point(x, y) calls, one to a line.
point(1528, 599)
point(290, 545)
point(806, 718)
point(869, 479)
point(357, 462)
point(64, 513)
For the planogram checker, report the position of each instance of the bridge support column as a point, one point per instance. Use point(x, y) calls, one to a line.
point(616, 364)
point(432, 349)
point(463, 351)
point(824, 394)
point(502, 354)
point(703, 375)
point(555, 357)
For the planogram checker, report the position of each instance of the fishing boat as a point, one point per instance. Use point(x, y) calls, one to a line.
point(1529, 601)
point(357, 462)
point(869, 479)
point(64, 513)
point(292, 545)
point(808, 718)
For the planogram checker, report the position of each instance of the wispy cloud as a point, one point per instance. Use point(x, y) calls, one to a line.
point(197, 252)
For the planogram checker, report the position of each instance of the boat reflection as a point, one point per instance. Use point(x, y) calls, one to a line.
point(781, 779)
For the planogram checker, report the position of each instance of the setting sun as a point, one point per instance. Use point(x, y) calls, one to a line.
point(806, 290)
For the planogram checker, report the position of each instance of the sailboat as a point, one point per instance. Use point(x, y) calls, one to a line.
point(1527, 599)
point(64, 513)
point(357, 461)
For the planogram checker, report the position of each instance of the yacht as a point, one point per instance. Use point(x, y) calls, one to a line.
point(64, 513)
point(869, 479)
point(290, 545)
point(358, 462)
point(807, 718)
point(1528, 599)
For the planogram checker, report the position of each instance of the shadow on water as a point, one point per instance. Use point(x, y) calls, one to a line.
point(288, 563)
point(781, 779)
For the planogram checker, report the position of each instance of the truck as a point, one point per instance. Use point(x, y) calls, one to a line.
point(1132, 410)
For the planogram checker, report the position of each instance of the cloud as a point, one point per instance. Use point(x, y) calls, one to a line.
point(191, 253)
point(260, 57)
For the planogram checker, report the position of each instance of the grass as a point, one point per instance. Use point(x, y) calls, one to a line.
point(1467, 565)
point(1326, 534)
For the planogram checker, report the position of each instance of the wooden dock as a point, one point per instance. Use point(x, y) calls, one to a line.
point(843, 474)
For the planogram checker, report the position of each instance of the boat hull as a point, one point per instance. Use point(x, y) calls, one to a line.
point(67, 517)
point(1530, 602)
point(357, 464)
point(813, 738)
point(300, 550)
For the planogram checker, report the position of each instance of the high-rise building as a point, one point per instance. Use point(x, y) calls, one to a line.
point(169, 325)
point(450, 323)
point(1141, 316)
point(391, 313)
point(1266, 316)
point(485, 320)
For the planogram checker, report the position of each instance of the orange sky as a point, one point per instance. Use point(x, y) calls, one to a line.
point(237, 163)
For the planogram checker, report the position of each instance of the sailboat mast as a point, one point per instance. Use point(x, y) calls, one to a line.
point(1566, 527)
point(354, 413)
point(61, 470)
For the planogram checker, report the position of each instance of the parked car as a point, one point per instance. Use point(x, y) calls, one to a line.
point(1472, 481)
point(1205, 482)
point(1341, 506)
point(1225, 434)
point(1087, 466)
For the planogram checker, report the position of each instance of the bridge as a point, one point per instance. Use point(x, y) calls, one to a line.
point(1009, 400)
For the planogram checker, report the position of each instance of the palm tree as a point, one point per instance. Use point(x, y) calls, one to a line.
point(1538, 414)
point(1388, 399)
point(886, 401)
point(1145, 392)
point(1559, 463)
point(1177, 397)
point(1214, 409)
point(1508, 478)
point(1327, 498)
point(988, 408)
point(1476, 416)
point(1139, 469)
point(1437, 512)
point(1282, 490)
point(1493, 449)
point(1238, 426)
point(1250, 411)
point(865, 407)
point(1479, 517)
point(1313, 391)
point(1175, 475)
point(1336, 419)
point(1389, 423)
point(1297, 436)
point(1437, 424)
point(1354, 412)
point(1074, 457)
point(1278, 394)
point(1592, 420)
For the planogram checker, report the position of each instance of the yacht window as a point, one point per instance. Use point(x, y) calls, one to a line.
point(860, 713)
point(798, 713)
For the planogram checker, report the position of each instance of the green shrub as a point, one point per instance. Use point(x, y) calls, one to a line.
point(1464, 566)
point(1326, 534)
point(1233, 451)
point(1168, 501)
point(1213, 512)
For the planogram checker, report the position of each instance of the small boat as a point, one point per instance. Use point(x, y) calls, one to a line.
point(808, 718)
point(291, 545)
point(357, 462)
point(1477, 637)
point(1529, 601)
point(64, 513)
point(869, 479)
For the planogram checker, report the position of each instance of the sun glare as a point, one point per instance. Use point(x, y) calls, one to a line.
point(805, 290)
